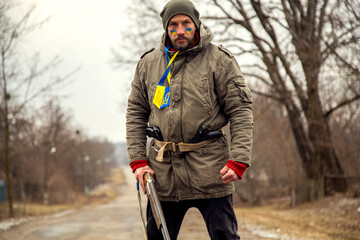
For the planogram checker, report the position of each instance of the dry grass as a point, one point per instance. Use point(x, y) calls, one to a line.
point(332, 218)
point(33, 209)
point(100, 195)
point(108, 191)
point(116, 177)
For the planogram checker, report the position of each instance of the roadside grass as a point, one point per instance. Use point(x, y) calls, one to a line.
point(332, 218)
point(102, 194)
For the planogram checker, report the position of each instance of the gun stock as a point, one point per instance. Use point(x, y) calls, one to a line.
point(155, 205)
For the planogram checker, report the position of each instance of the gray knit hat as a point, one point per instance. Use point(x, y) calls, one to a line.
point(175, 7)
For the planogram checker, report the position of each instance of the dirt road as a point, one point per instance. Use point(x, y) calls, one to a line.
point(119, 220)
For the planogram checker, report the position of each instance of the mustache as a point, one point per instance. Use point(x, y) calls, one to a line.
point(181, 38)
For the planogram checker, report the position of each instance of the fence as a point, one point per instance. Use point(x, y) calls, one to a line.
point(353, 183)
point(2, 190)
point(305, 192)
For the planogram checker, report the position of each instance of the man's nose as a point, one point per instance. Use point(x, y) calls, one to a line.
point(181, 30)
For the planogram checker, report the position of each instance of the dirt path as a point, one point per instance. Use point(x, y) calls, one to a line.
point(119, 220)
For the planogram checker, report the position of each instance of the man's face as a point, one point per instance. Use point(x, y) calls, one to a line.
point(181, 30)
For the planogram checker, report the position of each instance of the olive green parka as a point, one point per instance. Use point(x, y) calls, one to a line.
point(207, 87)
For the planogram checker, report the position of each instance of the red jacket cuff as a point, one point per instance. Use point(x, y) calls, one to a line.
point(238, 167)
point(139, 163)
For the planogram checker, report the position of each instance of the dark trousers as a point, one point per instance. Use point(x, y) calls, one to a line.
point(218, 214)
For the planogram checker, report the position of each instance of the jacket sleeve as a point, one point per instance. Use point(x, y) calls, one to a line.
point(236, 101)
point(137, 116)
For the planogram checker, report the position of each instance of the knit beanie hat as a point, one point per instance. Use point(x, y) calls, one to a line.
point(175, 7)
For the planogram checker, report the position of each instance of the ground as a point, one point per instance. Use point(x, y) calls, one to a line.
point(117, 217)
point(335, 217)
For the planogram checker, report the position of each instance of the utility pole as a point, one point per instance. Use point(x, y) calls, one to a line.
point(48, 152)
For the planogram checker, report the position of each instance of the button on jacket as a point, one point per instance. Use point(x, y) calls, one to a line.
point(207, 88)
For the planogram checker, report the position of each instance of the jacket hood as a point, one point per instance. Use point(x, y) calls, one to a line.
point(206, 36)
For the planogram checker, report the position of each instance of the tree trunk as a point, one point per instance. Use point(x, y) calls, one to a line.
point(313, 186)
point(319, 133)
point(316, 151)
point(6, 159)
point(5, 97)
point(323, 157)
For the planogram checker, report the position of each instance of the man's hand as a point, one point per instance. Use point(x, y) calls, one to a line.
point(139, 175)
point(228, 175)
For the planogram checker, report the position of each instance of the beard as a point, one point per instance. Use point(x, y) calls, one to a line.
point(182, 46)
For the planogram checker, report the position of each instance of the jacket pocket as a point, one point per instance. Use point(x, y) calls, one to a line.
point(151, 94)
point(205, 95)
point(151, 91)
point(164, 182)
point(243, 91)
point(205, 164)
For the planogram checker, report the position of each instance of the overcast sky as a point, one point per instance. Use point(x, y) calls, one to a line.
point(83, 32)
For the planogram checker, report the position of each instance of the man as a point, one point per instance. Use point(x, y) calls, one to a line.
point(190, 87)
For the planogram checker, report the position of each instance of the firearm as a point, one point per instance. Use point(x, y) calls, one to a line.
point(203, 133)
point(154, 132)
point(155, 205)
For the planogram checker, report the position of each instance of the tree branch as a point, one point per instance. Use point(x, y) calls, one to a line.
point(264, 20)
point(267, 95)
point(261, 78)
point(342, 104)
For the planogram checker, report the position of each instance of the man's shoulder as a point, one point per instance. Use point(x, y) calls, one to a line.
point(222, 58)
point(219, 51)
point(226, 51)
point(149, 53)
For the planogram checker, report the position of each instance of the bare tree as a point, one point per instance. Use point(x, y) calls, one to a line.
point(295, 41)
point(20, 84)
point(54, 122)
point(142, 16)
point(66, 164)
